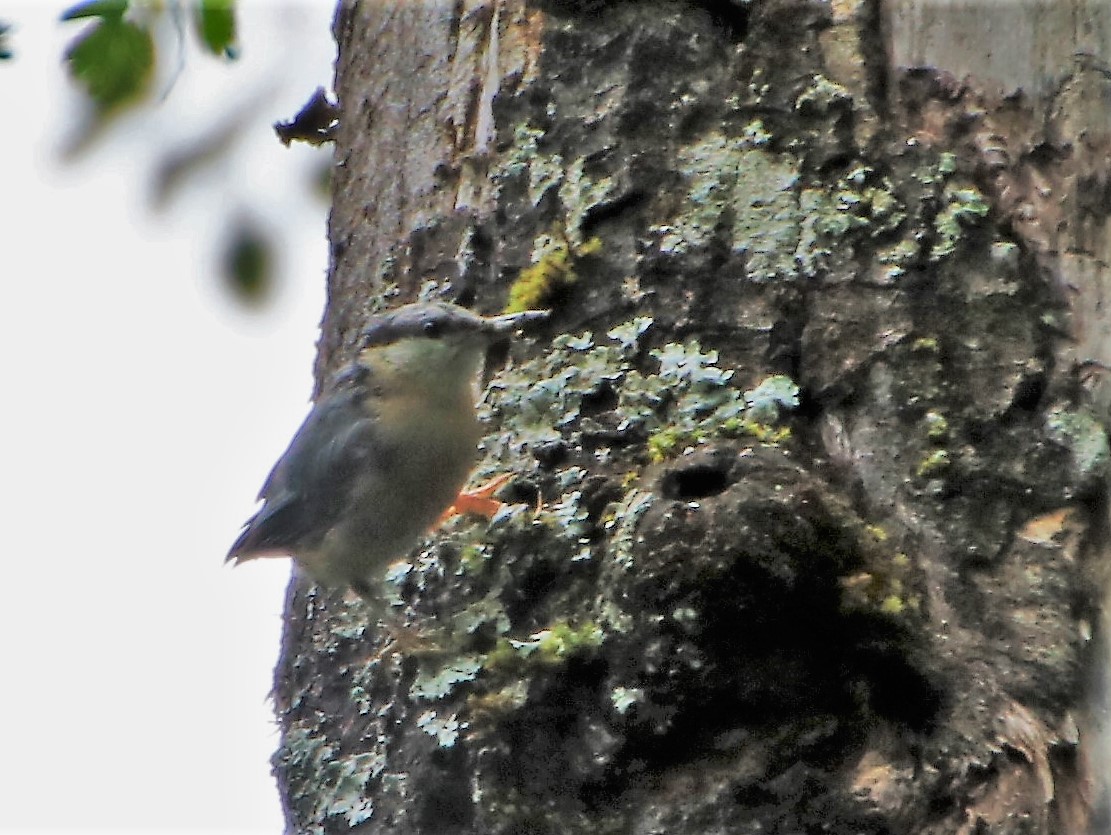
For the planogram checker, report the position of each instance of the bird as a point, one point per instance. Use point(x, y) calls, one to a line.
point(383, 452)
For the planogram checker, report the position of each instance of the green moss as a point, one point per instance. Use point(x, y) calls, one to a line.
point(934, 464)
point(925, 344)
point(537, 284)
point(548, 647)
point(670, 441)
point(504, 656)
point(472, 558)
point(740, 427)
point(488, 708)
point(550, 274)
point(877, 532)
point(937, 427)
point(563, 640)
point(883, 587)
point(892, 605)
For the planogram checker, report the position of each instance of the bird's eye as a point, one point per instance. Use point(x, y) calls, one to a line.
point(432, 328)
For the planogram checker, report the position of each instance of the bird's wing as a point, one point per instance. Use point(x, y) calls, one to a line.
point(310, 486)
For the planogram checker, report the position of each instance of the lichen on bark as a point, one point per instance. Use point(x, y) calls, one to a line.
point(807, 487)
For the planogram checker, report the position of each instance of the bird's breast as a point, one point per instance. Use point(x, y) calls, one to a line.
point(424, 448)
point(430, 449)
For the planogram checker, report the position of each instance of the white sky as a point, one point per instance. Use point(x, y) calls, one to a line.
point(143, 411)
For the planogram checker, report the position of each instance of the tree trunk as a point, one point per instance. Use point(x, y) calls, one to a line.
point(816, 436)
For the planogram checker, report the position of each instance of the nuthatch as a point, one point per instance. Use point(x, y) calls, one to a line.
point(384, 452)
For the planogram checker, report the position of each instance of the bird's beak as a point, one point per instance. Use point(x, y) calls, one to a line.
point(509, 322)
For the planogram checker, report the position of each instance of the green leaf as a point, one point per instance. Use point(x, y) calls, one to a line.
point(108, 9)
point(5, 47)
point(216, 25)
point(113, 60)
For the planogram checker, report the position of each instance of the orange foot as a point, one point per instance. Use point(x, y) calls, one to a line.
point(480, 501)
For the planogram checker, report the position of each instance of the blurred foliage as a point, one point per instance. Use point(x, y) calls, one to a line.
point(247, 263)
point(215, 20)
point(127, 57)
point(113, 58)
point(5, 47)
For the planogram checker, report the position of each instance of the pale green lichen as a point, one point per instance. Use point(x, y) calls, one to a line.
point(444, 729)
point(545, 171)
point(566, 514)
point(487, 612)
point(963, 206)
point(753, 135)
point(862, 200)
point(686, 400)
point(1085, 439)
point(579, 193)
point(439, 683)
point(623, 698)
point(822, 95)
point(767, 219)
point(351, 799)
point(623, 526)
point(322, 784)
point(686, 364)
point(898, 258)
point(765, 402)
point(743, 181)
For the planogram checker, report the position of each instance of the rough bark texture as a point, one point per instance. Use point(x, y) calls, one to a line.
point(873, 607)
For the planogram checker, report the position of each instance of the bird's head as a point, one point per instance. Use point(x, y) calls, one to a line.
point(433, 346)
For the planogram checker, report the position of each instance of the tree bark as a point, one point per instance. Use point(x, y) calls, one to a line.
point(810, 530)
